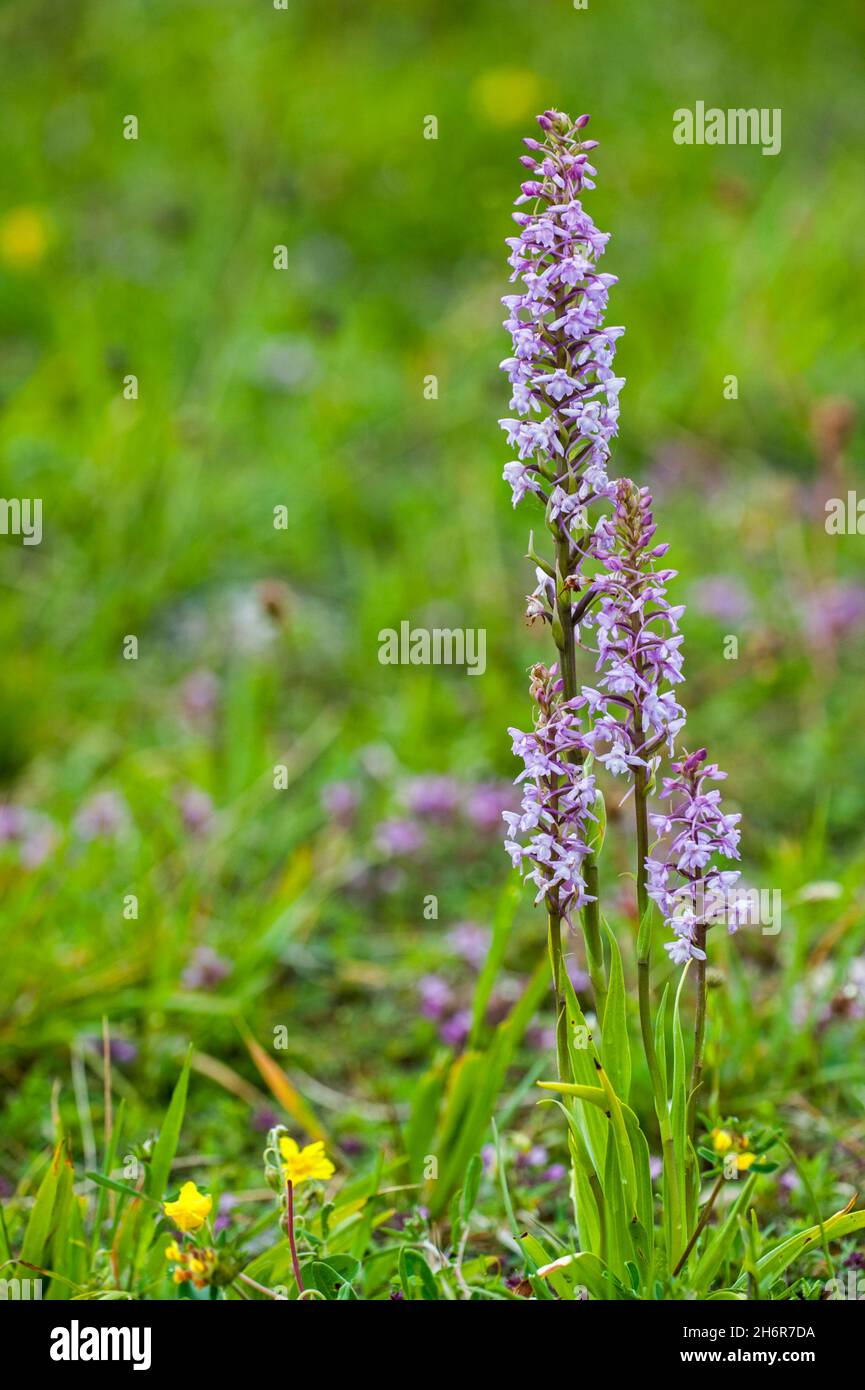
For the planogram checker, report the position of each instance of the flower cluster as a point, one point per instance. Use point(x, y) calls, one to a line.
point(633, 710)
point(558, 810)
point(195, 1264)
point(696, 830)
point(561, 367)
point(606, 592)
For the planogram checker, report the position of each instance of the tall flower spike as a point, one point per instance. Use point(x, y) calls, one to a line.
point(687, 877)
point(558, 806)
point(561, 367)
point(633, 710)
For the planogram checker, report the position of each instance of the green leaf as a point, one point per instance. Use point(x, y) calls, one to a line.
point(582, 1061)
point(422, 1118)
point(591, 1271)
point(169, 1137)
point(717, 1246)
point(124, 1188)
point(332, 1276)
point(775, 1261)
point(593, 1095)
point(39, 1225)
point(468, 1117)
point(416, 1277)
point(661, 1037)
point(503, 920)
point(679, 1094)
point(472, 1184)
point(644, 935)
point(614, 1031)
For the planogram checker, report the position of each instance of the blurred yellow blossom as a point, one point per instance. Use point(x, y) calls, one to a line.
point(744, 1161)
point(195, 1264)
point(506, 96)
point(191, 1209)
point(722, 1140)
point(302, 1164)
point(24, 237)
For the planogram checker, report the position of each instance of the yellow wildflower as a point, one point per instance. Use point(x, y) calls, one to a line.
point(744, 1161)
point(24, 236)
point(303, 1164)
point(191, 1209)
point(196, 1265)
point(722, 1140)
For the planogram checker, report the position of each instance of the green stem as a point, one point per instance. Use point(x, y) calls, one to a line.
point(699, 1031)
point(557, 966)
point(591, 919)
point(644, 983)
point(696, 1064)
point(700, 1226)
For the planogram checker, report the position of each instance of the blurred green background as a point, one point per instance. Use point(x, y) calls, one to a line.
point(304, 387)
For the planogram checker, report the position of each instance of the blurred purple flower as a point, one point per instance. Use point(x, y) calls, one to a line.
point(120, 1050)
point(577, 976)
point(723, 597)
point(832, 611)
point(11, 822)
point(540, 1037)
point(206, 969)
point(486, 803)
point(432, 798)
point(263, 1119)
point(555, 1173)
point(103, 816)
point(196, 811)
point(436, 996)
point(471, 942)
point(40, 838)
point(199, 695)
point(339, 801)
point(455, 1029)
point(398, 837)
point(351, 1145)
point(35, 835)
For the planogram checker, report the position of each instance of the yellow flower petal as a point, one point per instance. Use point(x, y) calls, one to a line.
point(191, 1209)
point(303, 1165)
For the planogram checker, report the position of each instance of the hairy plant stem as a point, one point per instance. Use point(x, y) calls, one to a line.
point(644, 983)
point(295, 1263)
